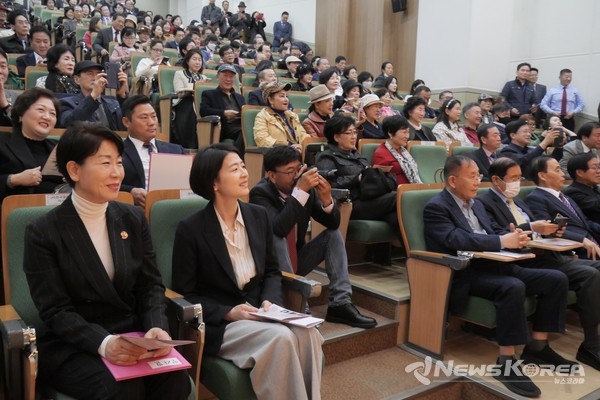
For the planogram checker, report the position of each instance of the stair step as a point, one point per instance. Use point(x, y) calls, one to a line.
point(343, 342)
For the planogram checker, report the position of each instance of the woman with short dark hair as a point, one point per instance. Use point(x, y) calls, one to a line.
point(304, 78)
point(33, 115)
point(61, 64)
point(122, 51)
point(414, 112)
point(92, 275)
point(230, 267)
point(347, 166)
point(393, 153)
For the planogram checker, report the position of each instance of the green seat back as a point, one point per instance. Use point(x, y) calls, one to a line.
point(198, 93)
point(524, 192)
point(169, 52)
point(164, 218)
point(37, 10)
point(165, 79)
point(280, 72)
point(248, 118)
point(20, 297)
point(368, 149)
point(248, 79)
point(458, 150)
point(429, 159)
point(136, 57)
point(302, 115)
point(32, 75)
point(429, 124)
point(412, 205)
point(12, 58)
point(299, 99)
point(226, 380)
point(398, 106)
point(80, 32)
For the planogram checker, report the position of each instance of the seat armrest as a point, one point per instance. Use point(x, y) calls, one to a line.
point(457, 263)
point(169, 96)
point(213, 119)
point(306, 287)
point(185, 311)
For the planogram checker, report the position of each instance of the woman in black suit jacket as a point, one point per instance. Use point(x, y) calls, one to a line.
point(24, 152)
point(224, 258)
point(92, 274)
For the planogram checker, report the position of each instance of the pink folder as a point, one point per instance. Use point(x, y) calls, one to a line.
point(150, 366)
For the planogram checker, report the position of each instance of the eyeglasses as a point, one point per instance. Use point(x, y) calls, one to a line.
point(289, 173)
point(476, 179)
point(157, 50)
point(351, 132)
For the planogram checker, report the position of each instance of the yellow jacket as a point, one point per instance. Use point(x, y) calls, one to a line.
point(270, 130)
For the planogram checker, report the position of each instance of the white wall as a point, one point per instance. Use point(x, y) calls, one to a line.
point(477, 44)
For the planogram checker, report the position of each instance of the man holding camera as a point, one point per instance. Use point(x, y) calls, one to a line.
point(588, 140)
point(292, 195)
point(519, 134)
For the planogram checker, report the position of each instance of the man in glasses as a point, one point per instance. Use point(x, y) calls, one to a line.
point(292, 195)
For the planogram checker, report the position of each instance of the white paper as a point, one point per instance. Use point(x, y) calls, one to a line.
point(507, 254)
point(277, 313)
point(557, 241)
point(169, 171)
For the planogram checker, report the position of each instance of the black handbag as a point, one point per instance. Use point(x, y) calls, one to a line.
point(375, 182)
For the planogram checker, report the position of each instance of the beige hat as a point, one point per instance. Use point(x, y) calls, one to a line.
point(320, 93)
point(274, 87)
point(291, 59)
point(369, 99)
point(133, 19)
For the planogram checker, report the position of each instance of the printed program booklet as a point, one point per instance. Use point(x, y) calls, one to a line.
point(280, 314)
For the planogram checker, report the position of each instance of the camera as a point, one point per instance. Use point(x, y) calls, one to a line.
point(327, 173)
point(558, 142)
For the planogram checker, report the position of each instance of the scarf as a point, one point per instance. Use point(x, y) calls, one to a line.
point(407, 163)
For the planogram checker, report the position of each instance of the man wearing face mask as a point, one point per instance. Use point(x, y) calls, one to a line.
point(504, 207)
point(208, 50)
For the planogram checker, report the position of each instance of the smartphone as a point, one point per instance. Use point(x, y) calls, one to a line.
point(560, 221)
point(112, 74)
point(165, 60)
point(558, 142)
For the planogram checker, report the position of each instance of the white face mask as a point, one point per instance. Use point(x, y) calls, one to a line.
point(212, 46)
point(367, 84)
point(512, 189)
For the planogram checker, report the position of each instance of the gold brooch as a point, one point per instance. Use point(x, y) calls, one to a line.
point(124, 235)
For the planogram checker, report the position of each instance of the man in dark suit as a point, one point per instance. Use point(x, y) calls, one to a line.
point(546, 201)
point(539, 91)
point(588, 140)
point(40, 43)
point(519, 134)
point(505, 208)
point(454, 222)
point(19, 42)
point(282, 30)
point(139, 117)
point(227, 104)
point(90, 285)
point(107, 35)
point(265, 76)
point(585, 170)
point(291, 201)
point(91, 105)
point(490, 141)
point(178, 34)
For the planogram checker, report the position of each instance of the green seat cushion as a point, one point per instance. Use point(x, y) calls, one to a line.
point(226, 380)
point(367, 231)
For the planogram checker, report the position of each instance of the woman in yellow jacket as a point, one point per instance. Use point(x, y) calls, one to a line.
point(275, 125)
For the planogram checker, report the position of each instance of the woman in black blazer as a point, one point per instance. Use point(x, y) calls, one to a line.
point(92, 274)
point(24, 151)
point(223, 258)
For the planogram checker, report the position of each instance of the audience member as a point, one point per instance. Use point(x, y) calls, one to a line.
point(304, 78)
point(414, 112)
point(351, 72)
point(25, 151)
point(518, 93)
point(40, 44)
point(584, 168)
point(386, 107)
point(257, 25)
point(226, 103)
point(472, 114)
point(319, 111)
point(490, 141)
point(144, 38)
point(322, 64)
point(454, 222)
point(7, 96)
point(61, 64)
point(139, 117)
point(331, 80)
point(228, 57)
point(368, 117)
point(210, 47)
point(486, 102)
point(241, 21)
point(413, 87)
point(564, 100)
point(445, 95)
point(424, 92)
point(365, 78)
point(178, 34)
point(387, 69)
point(148, 67)
point(282, 30)
point(501, 113)
point(90, 105)
point(340, 64)
point(447, 129)
point(264, 77)
point(588, 141)
point(156, 33)
point(292, 63)
point(122, 52)
point(345, 166)
point(95, 25)
point(391, 84)
point(351, 90)
point(505, 208)
point(89, 287)
point(393, 153)
point(520, 136)
point(107, 35)
point(546, 201)
point(276, 125)
point(218, 174)
point(19, 42)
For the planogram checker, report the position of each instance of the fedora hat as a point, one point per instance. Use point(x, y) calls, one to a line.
point(319, 93)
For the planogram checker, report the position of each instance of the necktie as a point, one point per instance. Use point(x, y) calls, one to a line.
point(24, 44)
point(567, 204)
point(563, 103)
point(149, 147)
point(116, 36)
point(516, 214)
point(291, 242)
point(491, 158)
